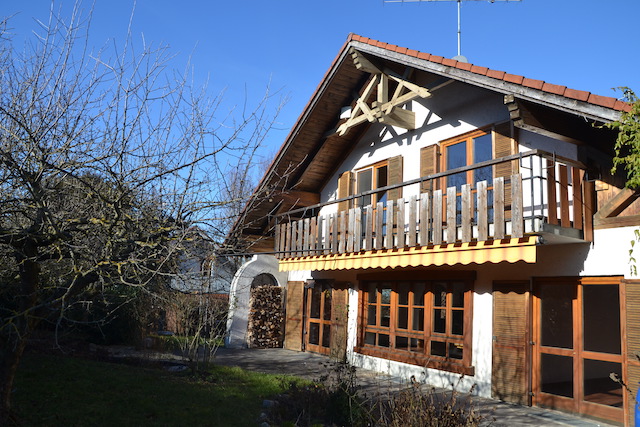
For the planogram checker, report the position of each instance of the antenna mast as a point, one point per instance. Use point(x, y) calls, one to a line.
point(459, 56)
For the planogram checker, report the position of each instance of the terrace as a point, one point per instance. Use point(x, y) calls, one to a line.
point(548, 200)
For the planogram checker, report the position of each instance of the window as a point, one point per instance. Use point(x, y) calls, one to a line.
point(473, 148)
point(426, 322)
point(370, 178)
point(467, 150)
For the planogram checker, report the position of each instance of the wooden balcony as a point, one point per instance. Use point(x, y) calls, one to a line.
point(547, 197)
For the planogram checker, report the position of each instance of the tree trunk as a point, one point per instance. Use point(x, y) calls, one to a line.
point(14, 335)
point(10, 356)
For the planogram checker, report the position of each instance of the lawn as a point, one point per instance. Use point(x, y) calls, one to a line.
point(55, 390)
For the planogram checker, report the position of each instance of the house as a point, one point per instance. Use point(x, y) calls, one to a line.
point(435, 218)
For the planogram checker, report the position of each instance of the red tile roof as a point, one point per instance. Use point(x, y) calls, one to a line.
point(580, 95)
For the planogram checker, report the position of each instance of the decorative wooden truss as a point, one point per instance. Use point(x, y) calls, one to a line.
point(387, 107)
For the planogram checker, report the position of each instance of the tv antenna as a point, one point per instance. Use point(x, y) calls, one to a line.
point(459, 57)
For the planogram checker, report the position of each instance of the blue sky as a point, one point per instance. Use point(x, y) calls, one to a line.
point(583, 44)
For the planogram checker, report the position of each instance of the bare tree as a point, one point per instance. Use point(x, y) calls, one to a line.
point(106, 159)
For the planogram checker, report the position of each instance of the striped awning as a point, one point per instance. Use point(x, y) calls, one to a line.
point(495, 251)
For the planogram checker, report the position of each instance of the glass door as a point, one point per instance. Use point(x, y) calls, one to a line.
point(578, 346)
point(318, 326)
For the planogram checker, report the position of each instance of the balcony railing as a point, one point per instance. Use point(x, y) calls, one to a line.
point(547, 196)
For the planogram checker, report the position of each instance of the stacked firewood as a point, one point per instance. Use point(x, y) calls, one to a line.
point(265, 317)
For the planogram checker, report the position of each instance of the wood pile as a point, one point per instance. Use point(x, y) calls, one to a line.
point(265, 328)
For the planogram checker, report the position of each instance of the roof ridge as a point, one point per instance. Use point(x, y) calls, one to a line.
point(579, 95)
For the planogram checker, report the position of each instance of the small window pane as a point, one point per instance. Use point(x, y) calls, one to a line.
point(371, 315)
point(326, 336)
point(373, 294)
point(439, 321)
point(402, 343)
point(385, 316)
point(598, 386)
point(386, 296)
point(403, 317)
point(417, 345)
point(314, 333)
point(383, 340)
point(418, 294)
point(403, 293)
point(455, 350)
point(364, 179)
point(418, 319)
point(370, 338)
point(327, 304)
point(457, 294)
point(438, 348)
point(439, 294)
point(457, 322)
point(316, 294)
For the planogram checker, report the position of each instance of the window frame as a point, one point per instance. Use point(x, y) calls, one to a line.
point(466, 138)
point(375, 197)
point(410, 354)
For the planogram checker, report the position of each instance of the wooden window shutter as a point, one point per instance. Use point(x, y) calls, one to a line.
point(504, 145)
point(429, 161)
point(395, 177)
point(294, 316)
point(510, 337)
point(345, 189)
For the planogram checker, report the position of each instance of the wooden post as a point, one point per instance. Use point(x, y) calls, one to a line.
point(300, 240)
point(388, 242)
point(577, 177)
point(334, 233)
point(379, 215)
point(425, 214)
point(368, 228)
point(350, 228)
point(357, 230)
point(313, 233)
point(287, 241)
point(413, 222)
point(498, 208)
point(564, 196)
point(400, 220)
point(306, 236)
point(342, 232)
point(517, 216)
point(552, 210)
point(466, 213)
point(437, 217)
point(483, 217)
point(451, 215)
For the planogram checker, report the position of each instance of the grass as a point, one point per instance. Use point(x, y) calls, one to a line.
point(55, 390)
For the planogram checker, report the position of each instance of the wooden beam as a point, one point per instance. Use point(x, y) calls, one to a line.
point(617, 204)
point(399, 117)
point(524, 118)
point(362, 63)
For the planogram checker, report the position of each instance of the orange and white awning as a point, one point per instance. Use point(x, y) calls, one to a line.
point(509, 250)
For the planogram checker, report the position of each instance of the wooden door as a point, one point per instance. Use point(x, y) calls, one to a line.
point(578, 346)
point(510, 379)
